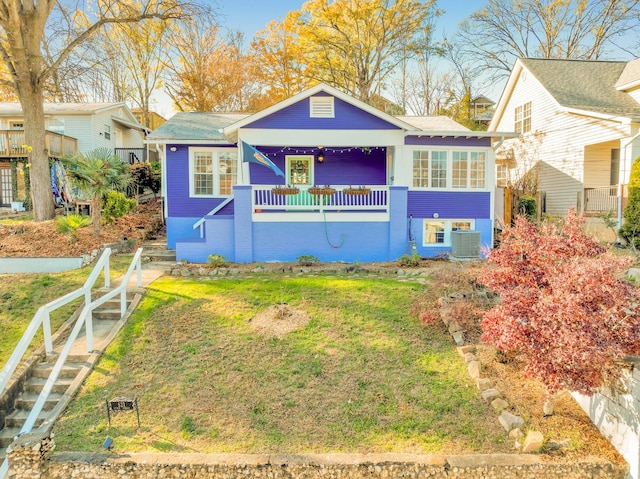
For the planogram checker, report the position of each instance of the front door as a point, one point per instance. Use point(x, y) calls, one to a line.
point(6, 189)
point(299, 173)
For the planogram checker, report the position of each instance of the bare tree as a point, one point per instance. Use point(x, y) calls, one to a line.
point(494, 36)
point(24, 24)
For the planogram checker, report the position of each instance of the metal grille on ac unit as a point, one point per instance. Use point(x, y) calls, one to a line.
point(465, 244)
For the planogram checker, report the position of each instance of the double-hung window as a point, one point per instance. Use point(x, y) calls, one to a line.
point(429, 169)
point(212, 171)
point(522, 118)
point(438, 232)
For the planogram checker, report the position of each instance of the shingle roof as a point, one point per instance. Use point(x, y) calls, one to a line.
point(195, 126)
point(630, 74)
point(433, 123)
point(585, 85)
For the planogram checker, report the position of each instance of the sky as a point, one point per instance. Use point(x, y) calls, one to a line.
point(251, 16)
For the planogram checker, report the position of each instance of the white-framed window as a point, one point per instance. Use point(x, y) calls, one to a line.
point(212, 171)
point(437, 232)
point(467, 169)
point(522, 118)
point(107, 132)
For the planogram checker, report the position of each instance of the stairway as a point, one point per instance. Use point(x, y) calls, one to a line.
point(77, 367)
point(156, 252)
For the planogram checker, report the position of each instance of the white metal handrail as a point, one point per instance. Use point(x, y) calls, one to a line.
point(376, 199)
point(42, 318)
point(84, 319)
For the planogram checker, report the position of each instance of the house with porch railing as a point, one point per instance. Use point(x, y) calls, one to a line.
point(322, 174)
point(70, 128)
point(578, 124)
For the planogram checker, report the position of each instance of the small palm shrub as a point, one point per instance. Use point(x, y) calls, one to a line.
point(70, 225)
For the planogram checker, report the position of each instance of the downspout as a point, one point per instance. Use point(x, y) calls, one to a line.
point(162, 151)
point(623, 147)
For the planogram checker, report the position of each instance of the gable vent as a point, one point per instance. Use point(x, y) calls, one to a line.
point(321, 107)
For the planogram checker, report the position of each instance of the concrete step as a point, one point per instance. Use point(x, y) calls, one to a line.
point(160, 255)
point(35, 385)
point(106, 313)
point(69, 370)
point(28, 400)
point(18, 417)
point(6, 436)
point(71, 358)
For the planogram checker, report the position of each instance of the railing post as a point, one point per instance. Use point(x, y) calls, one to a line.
point(89, 328)
point(107, 274)
point(46, 329)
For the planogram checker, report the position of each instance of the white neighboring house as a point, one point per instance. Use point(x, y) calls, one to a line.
point(578, 122)
point(71, 128)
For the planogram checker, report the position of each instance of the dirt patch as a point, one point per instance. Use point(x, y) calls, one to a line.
point(279, 320)
point(41, 239)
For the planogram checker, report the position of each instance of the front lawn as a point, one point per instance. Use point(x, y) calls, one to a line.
point(360, 376)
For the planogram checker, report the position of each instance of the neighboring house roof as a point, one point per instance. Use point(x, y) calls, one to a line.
point(630, 76)
point(195, 127)
point(585, 85)
point(433, 123)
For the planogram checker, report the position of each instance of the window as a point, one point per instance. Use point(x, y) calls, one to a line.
point(466, 169)
point(212, 171)
point(477, 169)
point(16, 125)
point(502, 175)
point(522, 118)
point(321, 107)
point(438, 232)
point(107, 132)
point(459, 166)
point(429, 169)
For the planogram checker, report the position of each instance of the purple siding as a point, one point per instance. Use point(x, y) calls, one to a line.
point(179, 204)
point(340, 167)
point(447, 141)
point(449, 204)
point(347, 116)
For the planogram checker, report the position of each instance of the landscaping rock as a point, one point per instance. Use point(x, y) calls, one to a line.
point(474, 369)
point(469, 348)
point(490, 394)
point(510, 421)
point(469, 357)
point(483, 383)
point(516, 433)
point(557, 445)
point(499, 405)
point(458, 337)
point(454, 327)
point(533, 442)
point(634, 274)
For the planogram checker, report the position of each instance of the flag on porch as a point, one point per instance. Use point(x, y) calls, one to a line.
point(251, 155)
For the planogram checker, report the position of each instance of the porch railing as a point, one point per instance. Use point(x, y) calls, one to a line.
point(13, 144)
point(136, 155)
point(375, 200)
point(600, 200)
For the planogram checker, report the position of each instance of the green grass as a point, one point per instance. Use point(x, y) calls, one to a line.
point(361, 376)
point(22, 294)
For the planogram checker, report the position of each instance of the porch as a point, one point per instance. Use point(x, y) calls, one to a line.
point(12, 144)
point(277, 203)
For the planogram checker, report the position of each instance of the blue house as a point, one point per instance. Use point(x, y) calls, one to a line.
point(322, 174)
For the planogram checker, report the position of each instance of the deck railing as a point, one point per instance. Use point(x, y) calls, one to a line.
point(136, 155)
point(13, 144)
point(600, 200)
point(268, 198)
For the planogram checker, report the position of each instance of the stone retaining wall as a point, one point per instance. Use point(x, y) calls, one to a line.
point(31, 457)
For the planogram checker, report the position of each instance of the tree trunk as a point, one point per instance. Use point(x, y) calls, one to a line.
point(96, 214)
point(32, 99)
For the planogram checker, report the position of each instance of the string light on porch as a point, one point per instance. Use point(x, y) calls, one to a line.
point(314, 151)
